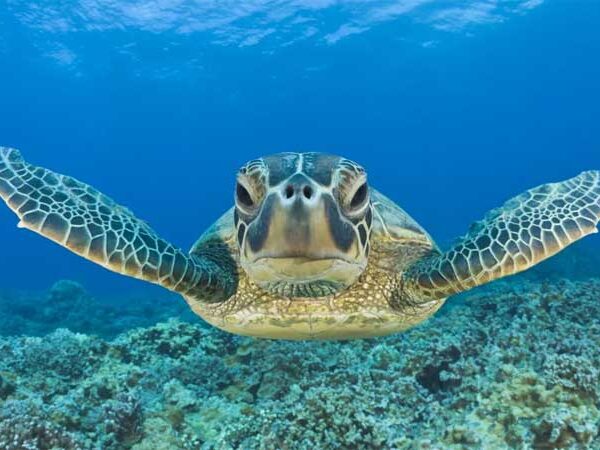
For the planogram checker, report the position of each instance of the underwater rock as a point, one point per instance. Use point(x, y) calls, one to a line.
point(510, 365)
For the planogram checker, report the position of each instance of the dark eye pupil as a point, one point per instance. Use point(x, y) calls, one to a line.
point(243, 196)
point(359, 196)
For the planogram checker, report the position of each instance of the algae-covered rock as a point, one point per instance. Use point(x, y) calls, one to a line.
point(122, 418)
point(24, 425)
point(512, 365)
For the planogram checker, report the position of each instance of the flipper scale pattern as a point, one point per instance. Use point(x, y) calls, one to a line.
point(90, 224)
point(524, 231)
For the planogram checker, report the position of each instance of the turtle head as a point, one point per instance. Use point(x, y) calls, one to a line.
point(303, 223)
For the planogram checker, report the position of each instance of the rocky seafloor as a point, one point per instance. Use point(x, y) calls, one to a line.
point(512, 365)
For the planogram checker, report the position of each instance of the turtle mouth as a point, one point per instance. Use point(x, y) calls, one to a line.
point(300, 268)
point(302, 276)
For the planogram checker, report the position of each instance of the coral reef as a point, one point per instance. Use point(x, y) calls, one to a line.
point(68, 305)
point(511, 365)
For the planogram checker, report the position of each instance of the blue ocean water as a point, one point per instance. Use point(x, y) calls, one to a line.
point(452, 106)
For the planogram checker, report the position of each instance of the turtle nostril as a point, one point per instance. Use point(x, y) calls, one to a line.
point(292, 190)
point(308, 192)
point(289, 191)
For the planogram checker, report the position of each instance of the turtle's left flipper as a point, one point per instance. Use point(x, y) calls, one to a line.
point(92, 225)
point(526, 230)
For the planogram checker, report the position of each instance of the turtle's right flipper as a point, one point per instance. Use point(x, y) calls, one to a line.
point(92, 225)
point(525, 231)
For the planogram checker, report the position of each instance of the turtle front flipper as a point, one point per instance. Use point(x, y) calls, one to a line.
point(525, 231)
point(92, 225)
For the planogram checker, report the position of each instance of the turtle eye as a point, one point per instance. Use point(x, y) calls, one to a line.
point(359, 197)
point(243, 196)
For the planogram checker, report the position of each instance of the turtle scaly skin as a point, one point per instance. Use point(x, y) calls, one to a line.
point(89, 223)
point(309, 251)
point(526, 230)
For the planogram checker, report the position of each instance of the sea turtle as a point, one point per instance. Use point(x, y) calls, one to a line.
point(309, 251)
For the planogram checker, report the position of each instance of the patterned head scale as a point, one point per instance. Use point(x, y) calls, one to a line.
point(303, 222)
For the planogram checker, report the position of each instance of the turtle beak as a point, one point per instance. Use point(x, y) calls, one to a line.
point(301, 222)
